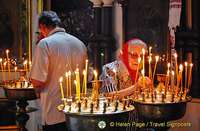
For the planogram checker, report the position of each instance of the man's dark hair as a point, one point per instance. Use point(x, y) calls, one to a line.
point(49, 18)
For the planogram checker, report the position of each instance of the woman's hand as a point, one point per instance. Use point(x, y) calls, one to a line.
point(146, 80)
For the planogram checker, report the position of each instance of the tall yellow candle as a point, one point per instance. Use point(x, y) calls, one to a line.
point(83, 87)
point(172, 87)
point(96, 79)
point(86, 69)
point(75, 82)
point(67, 83)
point(2, 69)
point(167, 80)
point(7, 51)
point(25, 65)
point(61, 88)
point(150, 62)
point(157, 58)
point(78, 84)
point(15, 74)
point(150, 67)
point(4, 65)
point(180, 76)
point(179, 79)
point(175, 56)
point(70, 90)
point(186, 74)
point(143, 81)
point(190, 74)
point(139, 60)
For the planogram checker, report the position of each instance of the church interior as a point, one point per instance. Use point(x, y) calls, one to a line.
point(104, 26)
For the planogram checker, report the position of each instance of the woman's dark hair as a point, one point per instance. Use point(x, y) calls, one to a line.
point(49, 18)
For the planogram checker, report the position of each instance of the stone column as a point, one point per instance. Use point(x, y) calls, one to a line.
point(97, 6)
point(107, 39)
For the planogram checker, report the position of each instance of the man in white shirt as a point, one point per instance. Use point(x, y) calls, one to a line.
point(57, 53)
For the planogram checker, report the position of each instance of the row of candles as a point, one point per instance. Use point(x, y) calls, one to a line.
point(7, 63)
point(169, 75)
point(77, 82)
point(151, 76)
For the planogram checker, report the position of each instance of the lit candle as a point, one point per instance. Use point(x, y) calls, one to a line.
point(190, 74)
point(7, 51)
point(150, 62)
point(78, 83)
point(61, 88)
point(4, 64)
point(185, 74)
point(70, 90)
point(96, 79)
point(180, 76)
point(85, 76)
point(115, 80)
point(83, 87)
point(175, 56)
point(143, 85)
point(150, 67)
point(66, 74)
point(15, 74)
point(25, 65)
point(168, 65)
point(75, 82)
point(2, 69)
point(139, 60)
point(157, 58)
point(167, 81)
point(172, 87)
point(30, 64)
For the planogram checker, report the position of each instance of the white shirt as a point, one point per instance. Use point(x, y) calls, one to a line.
point(55, 55)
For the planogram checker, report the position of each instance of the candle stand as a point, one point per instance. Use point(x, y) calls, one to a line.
point(97, 112)
point(21, 96)
point(160, 106)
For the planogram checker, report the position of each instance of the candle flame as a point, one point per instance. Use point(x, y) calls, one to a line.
point(186, 63)
point(25, 62)
point(150, 48)
point(150, 59)
point(168, 65)
point(15, 68)
point(181, 67)
point(7, 51)
point(0, 59)
point(29, 62)
point(143, 50)
point(191, 64)
point(61, 79)
point(139, 59)
point(75, 82)
point(86, 61)
point(175, 55)
point(4, 63)
point(172, 73)
point(69, 73)
point(83, 72)
point(142, 71)
point(157, 57)
point(95, 72)
point(114, 71)
point(66, 74)
point(168, 72)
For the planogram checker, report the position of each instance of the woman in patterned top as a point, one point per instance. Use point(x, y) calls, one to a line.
point(126, 68)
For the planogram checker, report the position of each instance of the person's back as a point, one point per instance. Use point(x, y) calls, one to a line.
point(55, 55)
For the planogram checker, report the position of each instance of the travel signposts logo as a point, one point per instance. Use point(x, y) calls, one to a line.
point(102, 124)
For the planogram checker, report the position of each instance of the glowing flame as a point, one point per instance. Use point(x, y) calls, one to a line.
point(61, 79)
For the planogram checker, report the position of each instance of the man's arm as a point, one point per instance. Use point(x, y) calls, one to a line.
point(38, 87)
